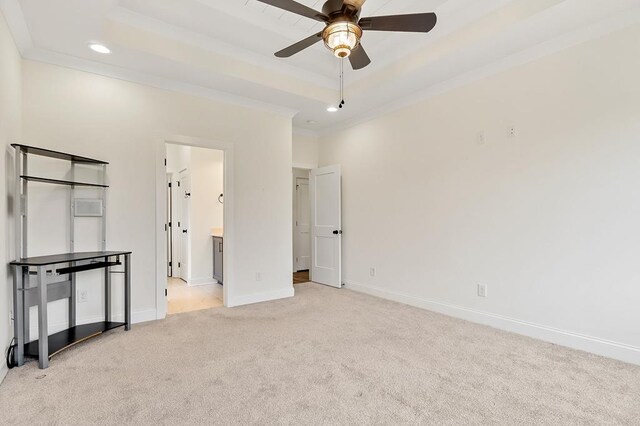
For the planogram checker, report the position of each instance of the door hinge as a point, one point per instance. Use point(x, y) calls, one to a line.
point(169, 264)
point(178, 224)
point(166, 292)
point(178, 264)
point(169, 184)
point(165, 161)
point(169, 224)
point(165, 227)
point(178, 184)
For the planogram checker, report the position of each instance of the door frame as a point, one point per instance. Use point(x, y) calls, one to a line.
point(169, 229)
point(161, 200)
point(184, 244)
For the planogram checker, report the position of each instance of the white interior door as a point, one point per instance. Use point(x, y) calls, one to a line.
point(302, 225)
point(326, 222)
point(184, 192)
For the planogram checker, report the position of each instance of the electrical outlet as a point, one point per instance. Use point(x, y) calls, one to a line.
point(258, 276)
point(372, 272)
point(82, 296)
point(482, 290)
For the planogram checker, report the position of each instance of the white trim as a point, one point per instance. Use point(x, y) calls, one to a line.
point(201, 281)
point(261, 297)
point(17, 24)
point(3, 372)
point(304, 166)
point(141, 316)
point(265, 61)
point(616, 350)
point(229, 223)
point(98, 68)
point(549, 47)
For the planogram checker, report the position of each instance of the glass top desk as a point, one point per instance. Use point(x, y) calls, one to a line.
point(43, 279)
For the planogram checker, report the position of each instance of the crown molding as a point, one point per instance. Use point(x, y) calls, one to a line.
point(136, 20)
point(573, 38)
point(19, 29)
point(12, 12)
point(85, 65)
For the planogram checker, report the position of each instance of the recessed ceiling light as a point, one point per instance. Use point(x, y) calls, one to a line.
point(100, 48)
point(332, 109)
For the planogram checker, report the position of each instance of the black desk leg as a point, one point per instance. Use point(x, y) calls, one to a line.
point(43, 329)
point(72, 298)
point(127, 292)
point(26, 318)
point(18, 314)
point(107, 291)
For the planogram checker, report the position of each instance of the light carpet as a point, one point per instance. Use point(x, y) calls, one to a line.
point(326, 356)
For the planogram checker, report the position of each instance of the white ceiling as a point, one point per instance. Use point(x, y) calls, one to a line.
point(224, 48)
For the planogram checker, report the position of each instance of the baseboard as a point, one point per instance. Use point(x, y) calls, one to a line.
point(201, 281)
point(619, 351)
point(261, 297)
point(3, 371)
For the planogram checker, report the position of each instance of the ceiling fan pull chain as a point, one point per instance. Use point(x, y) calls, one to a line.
point(341, 83)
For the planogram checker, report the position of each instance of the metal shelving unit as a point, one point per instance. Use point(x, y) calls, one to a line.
point(43, 279)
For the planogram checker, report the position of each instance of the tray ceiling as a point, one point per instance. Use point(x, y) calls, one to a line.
point(225, 48)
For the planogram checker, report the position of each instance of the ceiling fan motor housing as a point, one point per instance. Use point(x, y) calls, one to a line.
point(337, 9)
point(342, 34)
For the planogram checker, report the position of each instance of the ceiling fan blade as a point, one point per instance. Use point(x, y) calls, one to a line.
point(297, 8)
point(418, 23)
point(359, 58)
point(299, 46)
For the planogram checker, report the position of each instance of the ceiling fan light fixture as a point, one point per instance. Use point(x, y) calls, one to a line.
point(342, 37)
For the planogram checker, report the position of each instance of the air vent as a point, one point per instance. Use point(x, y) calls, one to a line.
point(86, 207)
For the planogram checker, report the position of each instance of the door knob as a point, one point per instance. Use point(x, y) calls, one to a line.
point(184, 231)
point(337, 232)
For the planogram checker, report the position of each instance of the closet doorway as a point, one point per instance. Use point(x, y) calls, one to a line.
point(301, 226)
point(195, 223)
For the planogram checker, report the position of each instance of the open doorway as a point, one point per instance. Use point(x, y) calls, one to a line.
point(301, 226)
point(194, 231)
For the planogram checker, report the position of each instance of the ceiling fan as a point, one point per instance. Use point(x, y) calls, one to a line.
point(344, 27)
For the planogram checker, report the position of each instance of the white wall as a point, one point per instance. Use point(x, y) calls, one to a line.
point(10, 117)
point(305, 150)
point(127, 125)
point(548, 220)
